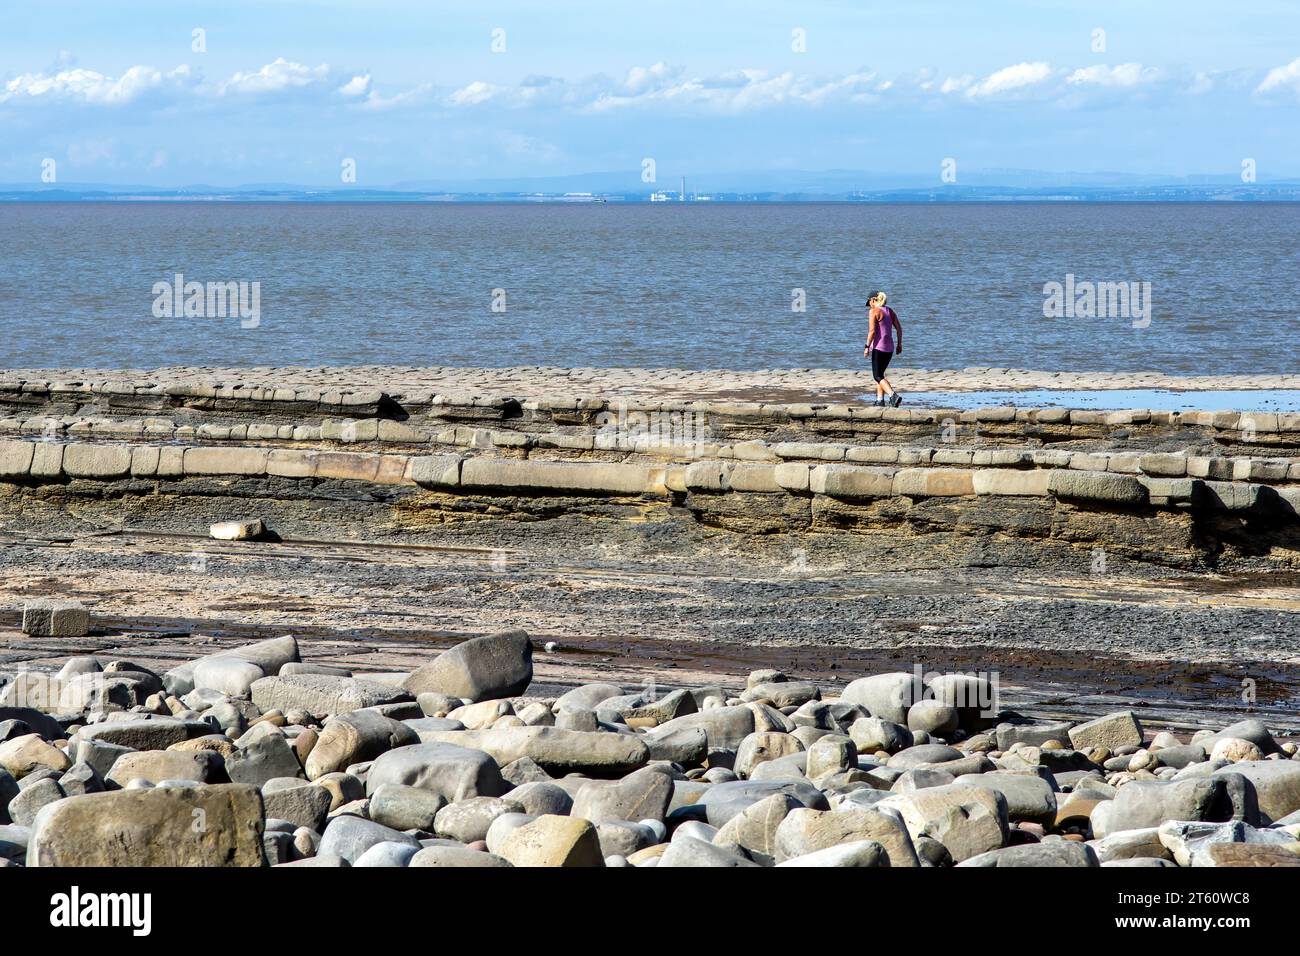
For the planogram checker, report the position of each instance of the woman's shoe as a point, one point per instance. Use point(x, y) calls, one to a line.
point(896, 400)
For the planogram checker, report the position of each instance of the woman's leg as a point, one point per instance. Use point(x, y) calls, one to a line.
point(880, 362)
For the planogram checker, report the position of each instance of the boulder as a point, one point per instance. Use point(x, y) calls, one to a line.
point(484, 668)
point(1248, 854)
point(301, 803)
point(538, 799)
point(933, 717)
point(1141, 804)
point(14, 840)
point(622, 838)
point(270, 655)
point(226, 675)
point(790, 767)
point(262, 754)
point(555, 750)
point(754, 828)
point(586, 697)
point(98, 755)
point(53, 617)
point(80, 778)
point(1112, 731)
point(685, 745)
point(690, 851)
point(923, 754)
point(1188, 842)
point(456, 856)
point(158, 765)
point(1029, 797)
point(155, 733)
point(468, 820)
point(783, 693)
point(1050, 852)
point(456, 773)
point(355, 737)
point(217, 825)
point(553, 841)
point(642, 795)
point(1129, 845)
point(855, 854)
point(1253, 730)
point(1235, 749)
point(831, 754)
point(24, 807)
point(804, 831)
point(387, 854)
point(973, 697)
point(1032, 735)
point(967, 820)
point(886, 696)
point(321, 694)
point(406, 808)
point(36, 721)
point(524, 770)
point(722, 801)
point(1276, 786)
point(29, 753)
point(481, 715)
point(349, 837)
point(724, 727)
point(872, 734)
point(1180, 755)
point(758, 748)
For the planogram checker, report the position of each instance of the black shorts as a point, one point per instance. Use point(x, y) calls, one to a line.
point(879, 362)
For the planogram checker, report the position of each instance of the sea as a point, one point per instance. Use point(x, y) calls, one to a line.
point(1180, 288)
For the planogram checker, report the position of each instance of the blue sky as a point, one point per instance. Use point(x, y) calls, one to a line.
point(285, 91)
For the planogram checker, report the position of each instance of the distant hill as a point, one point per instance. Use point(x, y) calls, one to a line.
point(985, 185)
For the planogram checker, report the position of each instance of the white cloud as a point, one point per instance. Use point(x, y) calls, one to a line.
point(276, 77)
point(1126, 74)
point(1282, 77)
point(87, 86)
point(1011, 78)
point(357, 86)
point(734, 92)
point(660, 86)
point(376, 101)
point(476, 93)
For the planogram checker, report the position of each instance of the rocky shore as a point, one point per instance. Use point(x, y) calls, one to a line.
point(782, 384)
point(1103, 604)
point(252, 756)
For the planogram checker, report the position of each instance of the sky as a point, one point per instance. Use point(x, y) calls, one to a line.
point(303, 91)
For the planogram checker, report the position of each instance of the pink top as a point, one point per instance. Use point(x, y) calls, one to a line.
point(883, 341)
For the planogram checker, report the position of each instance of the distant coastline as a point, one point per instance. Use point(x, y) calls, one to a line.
point(994, 186)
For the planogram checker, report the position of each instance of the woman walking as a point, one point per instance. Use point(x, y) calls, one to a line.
point(884, 339)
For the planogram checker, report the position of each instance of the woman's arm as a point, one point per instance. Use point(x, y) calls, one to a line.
point(898, 335)
point(871, 331)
